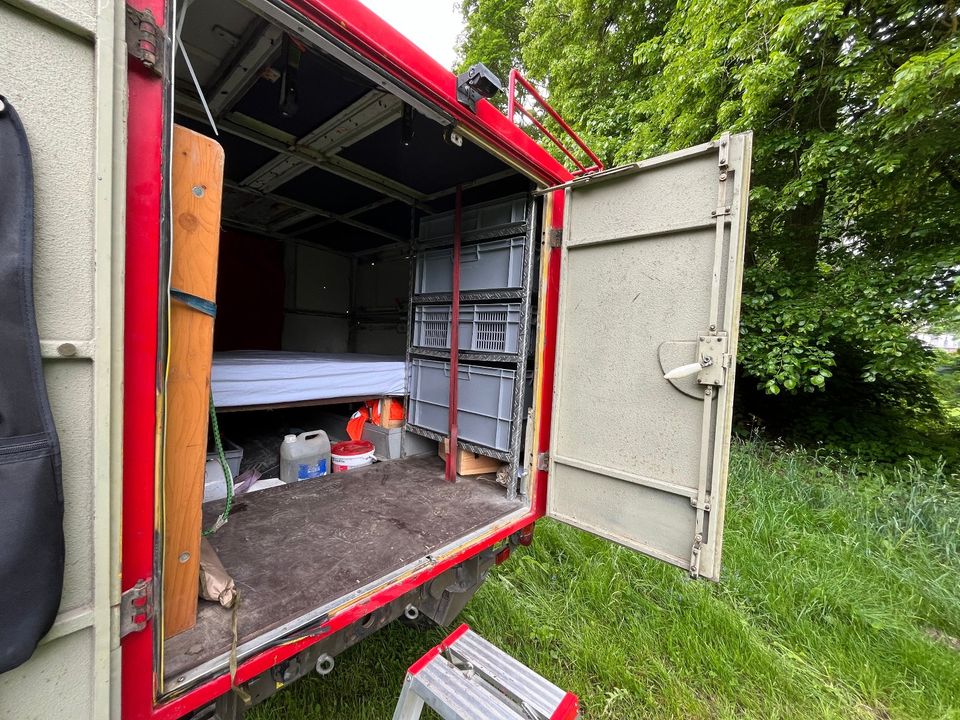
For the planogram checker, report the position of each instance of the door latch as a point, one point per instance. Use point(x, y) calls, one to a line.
point(543, 461)
point(695, 556)
point(713, 361)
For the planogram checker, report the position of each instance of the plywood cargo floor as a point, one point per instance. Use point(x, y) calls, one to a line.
point(295, 548)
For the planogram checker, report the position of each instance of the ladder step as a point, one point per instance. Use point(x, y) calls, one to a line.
point(446, 690)
point(510, 676)
point(467, 678)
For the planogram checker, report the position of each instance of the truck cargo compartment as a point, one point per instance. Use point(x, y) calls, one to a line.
point(336, 237)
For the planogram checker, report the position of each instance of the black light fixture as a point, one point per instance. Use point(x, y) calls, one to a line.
point(406, 125)
point(476, 83)
point(290, 54)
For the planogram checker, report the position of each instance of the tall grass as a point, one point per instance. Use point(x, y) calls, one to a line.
point(840, 599)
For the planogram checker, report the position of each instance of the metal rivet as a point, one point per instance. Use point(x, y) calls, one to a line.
point(198, 190)
point(67, 349)
point(184, 556)
point(713, 327)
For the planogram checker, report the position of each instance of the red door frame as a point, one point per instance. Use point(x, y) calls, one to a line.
point(358, 28)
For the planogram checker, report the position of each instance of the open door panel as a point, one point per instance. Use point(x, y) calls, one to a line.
point(652, 258)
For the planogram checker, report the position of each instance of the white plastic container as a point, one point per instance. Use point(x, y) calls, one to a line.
point(352, 454)
point(304, 456)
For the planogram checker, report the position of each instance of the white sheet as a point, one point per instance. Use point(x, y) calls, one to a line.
point(253, 377)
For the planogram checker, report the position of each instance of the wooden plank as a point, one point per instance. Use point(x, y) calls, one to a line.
point(386, 411)
point(197, 190)
point(469, 463)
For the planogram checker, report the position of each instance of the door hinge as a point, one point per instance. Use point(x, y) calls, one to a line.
point(145, 39)
point(543, 461)
point(705, 505)
point(555, 237)
point(724, 152)
point(136, 607)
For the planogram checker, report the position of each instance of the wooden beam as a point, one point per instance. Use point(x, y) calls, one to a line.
point(197, 191)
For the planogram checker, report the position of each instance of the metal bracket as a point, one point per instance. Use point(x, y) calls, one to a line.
point(724, 151)
point(145, 39)
point(136, 607)
point(555, 237)
point(714, 359)
point(543, 461)
point(695, 556)
point(705, 506)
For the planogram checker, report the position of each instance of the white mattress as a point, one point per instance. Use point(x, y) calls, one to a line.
point(254, 377)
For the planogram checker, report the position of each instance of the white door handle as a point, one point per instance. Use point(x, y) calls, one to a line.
point(684, 371)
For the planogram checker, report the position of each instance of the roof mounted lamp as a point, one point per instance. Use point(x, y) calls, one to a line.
point(475, 84)
point(291, 54)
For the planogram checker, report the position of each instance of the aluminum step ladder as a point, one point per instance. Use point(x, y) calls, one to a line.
point(467, 678)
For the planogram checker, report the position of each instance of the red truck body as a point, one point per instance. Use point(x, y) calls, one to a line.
point(370, 37)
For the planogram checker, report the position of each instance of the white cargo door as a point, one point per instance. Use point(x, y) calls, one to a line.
point(652, 258)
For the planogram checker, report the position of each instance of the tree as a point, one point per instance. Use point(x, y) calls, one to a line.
point(855, 201)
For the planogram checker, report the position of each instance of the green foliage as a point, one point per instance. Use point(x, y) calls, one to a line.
point(855, 202)
point(947, 384)
point(837, 600)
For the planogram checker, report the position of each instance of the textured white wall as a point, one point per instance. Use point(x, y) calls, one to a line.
point(49, 73)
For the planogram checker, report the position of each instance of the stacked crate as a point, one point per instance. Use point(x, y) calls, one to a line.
point(496, 266)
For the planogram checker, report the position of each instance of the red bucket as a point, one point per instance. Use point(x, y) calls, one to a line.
point(351, 454)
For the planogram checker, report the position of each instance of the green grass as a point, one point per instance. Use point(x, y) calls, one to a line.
point(840, 598)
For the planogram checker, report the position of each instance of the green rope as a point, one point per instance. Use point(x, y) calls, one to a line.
point(227, 475)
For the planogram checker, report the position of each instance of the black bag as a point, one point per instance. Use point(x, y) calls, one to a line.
point(31, 495)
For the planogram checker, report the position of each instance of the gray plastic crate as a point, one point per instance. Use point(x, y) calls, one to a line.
point(484, 399)
point(389, 444)
point(481, 216)
point(231, 451)
point(491, 265)
point(483, 328)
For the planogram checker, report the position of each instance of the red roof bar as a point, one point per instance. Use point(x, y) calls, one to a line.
point(513, 106)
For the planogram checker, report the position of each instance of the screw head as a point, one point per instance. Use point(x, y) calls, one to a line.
point(184, 556)
point(198, 190)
